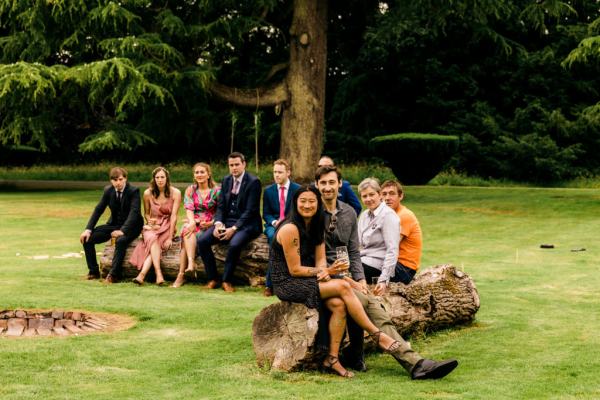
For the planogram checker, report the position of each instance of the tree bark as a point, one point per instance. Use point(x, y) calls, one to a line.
point(251, 268)
point(258, 97)
point(303, 117)
point(302, 93)
point(283, 334)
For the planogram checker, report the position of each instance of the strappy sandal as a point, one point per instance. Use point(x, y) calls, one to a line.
point(328, 364)
point(137, 281)
point(375, 336)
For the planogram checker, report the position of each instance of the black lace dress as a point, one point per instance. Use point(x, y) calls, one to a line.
point(304, 290)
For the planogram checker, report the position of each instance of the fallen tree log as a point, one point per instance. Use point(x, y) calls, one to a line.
point(251, 268)
point(284, 334)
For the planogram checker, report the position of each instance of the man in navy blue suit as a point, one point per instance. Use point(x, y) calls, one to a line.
point(345, 194)
point(277, 199)
point(237, 221)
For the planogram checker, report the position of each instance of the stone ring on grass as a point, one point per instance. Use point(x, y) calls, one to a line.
point(33, 323)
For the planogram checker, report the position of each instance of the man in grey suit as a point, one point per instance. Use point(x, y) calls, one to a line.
point(124, 225)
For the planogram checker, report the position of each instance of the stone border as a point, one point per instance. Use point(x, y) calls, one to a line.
point(35, 323)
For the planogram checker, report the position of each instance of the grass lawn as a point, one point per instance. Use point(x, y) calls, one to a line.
point(536, 334)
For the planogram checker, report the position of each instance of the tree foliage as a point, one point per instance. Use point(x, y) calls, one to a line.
point(517, 80)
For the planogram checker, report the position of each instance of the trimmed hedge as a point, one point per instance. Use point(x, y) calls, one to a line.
point(415, 158)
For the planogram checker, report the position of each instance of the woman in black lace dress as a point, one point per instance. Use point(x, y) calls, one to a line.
point(300, 274)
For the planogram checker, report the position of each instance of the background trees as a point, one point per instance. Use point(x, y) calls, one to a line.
point(516, 80)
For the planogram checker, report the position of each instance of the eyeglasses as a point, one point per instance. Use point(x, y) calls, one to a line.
point(332, 224)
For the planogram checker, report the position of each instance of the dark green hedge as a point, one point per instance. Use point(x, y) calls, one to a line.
point(415, 158)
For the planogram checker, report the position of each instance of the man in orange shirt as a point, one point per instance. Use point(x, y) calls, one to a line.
point(411, 241)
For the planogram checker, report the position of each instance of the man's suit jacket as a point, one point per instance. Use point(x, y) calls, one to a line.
point(125, 214)
point(271, 202)
point(248, 203)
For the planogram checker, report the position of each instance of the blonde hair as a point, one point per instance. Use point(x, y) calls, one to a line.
point(211, 183)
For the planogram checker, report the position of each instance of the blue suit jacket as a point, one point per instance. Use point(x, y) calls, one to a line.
point(270, 209)
point(346, 194)
point(248, 203)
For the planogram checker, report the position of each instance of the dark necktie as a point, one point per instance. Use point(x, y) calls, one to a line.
point(119, 196)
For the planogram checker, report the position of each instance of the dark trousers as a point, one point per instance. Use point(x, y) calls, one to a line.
point(236, 245)
point(101, 234)
point(401, 274)
point(270, 233)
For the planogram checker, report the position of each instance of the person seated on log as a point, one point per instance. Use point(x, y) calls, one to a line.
point(200, 202)
point(237, 221)
point(411, 241)
point(300, 274)
point(341, 230)
point(161, 203)
point(124, 224)
point(277, 199)
point(345, 194)
point(378, 234)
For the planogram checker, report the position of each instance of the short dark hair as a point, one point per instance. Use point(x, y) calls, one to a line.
point(324, 170)
point(329, 158)
point(237, 154)
point(116, 172)
point(394, 183)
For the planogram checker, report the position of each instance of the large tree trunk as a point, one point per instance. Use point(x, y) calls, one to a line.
point(302, 93)
point(302, 121)
point(283, 334)
point(250, 269)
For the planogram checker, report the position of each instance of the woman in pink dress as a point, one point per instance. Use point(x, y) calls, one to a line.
point(161, 203)
point(200, 202)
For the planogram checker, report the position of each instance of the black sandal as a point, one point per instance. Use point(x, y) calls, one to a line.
point(375, 336)
point(328, 364)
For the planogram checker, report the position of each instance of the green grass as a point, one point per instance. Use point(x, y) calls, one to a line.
point(535, 336)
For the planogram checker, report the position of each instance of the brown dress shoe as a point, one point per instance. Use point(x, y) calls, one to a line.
point(212, 284)
point(91, 276)
point(228, 287)
point(110, 279)
point(268, 292)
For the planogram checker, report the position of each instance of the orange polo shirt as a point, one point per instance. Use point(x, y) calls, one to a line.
point(412, 240)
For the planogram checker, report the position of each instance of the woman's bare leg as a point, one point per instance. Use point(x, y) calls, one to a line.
point(189, 243)
point(139, 279)
point(337, 327)
point(181, 274)
point(155, 252)
point(340, 288)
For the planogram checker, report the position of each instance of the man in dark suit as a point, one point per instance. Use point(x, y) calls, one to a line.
point(124, 225)
point(277, 199)
point(237, 221)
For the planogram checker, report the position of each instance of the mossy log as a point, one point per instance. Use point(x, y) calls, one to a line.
point(284, 334)
point(251, 268)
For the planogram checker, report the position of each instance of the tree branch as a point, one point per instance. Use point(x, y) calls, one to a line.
point(261, 96)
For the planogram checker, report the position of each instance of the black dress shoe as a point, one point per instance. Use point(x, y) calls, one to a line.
point(91, 276)
point(430, 369)
point(358, 365)
point(352, 361)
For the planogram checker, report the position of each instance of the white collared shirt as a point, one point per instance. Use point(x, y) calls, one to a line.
point(379, 236)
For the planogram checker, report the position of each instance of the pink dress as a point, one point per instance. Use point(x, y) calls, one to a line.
point(162, 214)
